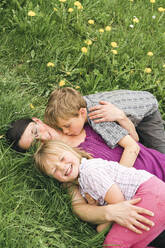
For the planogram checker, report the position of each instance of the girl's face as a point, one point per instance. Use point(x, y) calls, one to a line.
point(64, 167)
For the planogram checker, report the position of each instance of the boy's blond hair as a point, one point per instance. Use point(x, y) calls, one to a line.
point(63, 103)
point(54, 147)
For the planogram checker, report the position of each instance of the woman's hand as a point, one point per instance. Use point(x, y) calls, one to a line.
point(124, 213)
point(130, 216)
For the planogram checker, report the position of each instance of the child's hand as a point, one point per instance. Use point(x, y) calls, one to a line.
point(90, 200)
point(105, 112)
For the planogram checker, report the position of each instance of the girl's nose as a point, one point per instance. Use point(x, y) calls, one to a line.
point(60, 166)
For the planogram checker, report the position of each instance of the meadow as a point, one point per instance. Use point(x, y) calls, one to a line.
point(93, 46)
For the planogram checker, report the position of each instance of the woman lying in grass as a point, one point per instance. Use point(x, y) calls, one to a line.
point(107, 182)
point(25, 131)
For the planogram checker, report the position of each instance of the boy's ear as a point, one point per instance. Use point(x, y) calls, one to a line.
point(35, 119)
point(82, 111)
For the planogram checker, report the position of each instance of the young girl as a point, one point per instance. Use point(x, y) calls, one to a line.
point(107, 182)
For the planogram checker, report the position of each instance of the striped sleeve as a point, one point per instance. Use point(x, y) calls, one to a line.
point(96, 182)
point(111, 132)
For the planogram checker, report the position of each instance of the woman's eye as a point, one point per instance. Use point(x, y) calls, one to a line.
point(35, 132)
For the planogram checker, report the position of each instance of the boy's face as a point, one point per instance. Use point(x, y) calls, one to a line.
point(36, 130)
point(72, 126)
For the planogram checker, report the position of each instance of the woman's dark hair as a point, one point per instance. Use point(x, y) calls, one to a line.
point(15, 131)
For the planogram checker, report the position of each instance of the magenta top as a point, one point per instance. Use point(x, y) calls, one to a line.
point(148, 159)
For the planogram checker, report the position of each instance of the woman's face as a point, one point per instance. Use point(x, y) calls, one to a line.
point(38, 130)
point(35, 131)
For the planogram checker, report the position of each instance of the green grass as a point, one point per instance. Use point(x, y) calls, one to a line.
point(35, 211)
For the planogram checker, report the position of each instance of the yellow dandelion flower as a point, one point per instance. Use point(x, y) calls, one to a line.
point(80, 7)
point(161, 9)
point(150, 54)
point(77, 4)
point(91, 22)
point(31, 13)
point(68, 73)
point(114, 51)
point(135, 20)
point(163, 65)
point(84, 50)
point(70, 10)
point(88, 42)
point(108, 28)
point(152, 1)
point(1, 136)
point(50, 64)
point(31, 106)
point(101, 30)
point(77, 87)
point(114, 44)
point(147, 70)
point(62, 1)
point(61, 83)
point(55, 9)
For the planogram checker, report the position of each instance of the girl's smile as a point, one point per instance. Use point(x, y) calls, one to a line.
point(69, 171)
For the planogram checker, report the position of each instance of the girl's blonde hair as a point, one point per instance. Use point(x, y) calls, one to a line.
point(53, 147)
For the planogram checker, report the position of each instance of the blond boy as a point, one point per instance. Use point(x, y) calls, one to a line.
point(69, 110)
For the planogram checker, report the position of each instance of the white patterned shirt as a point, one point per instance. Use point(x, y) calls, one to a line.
point(135, 104)
point(96, 176)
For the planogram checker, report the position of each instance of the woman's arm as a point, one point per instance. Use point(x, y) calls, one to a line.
point(124, 213)
point(130, 152)
point(109, 112)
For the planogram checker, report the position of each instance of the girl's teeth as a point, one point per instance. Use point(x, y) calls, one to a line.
point(68, 170)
